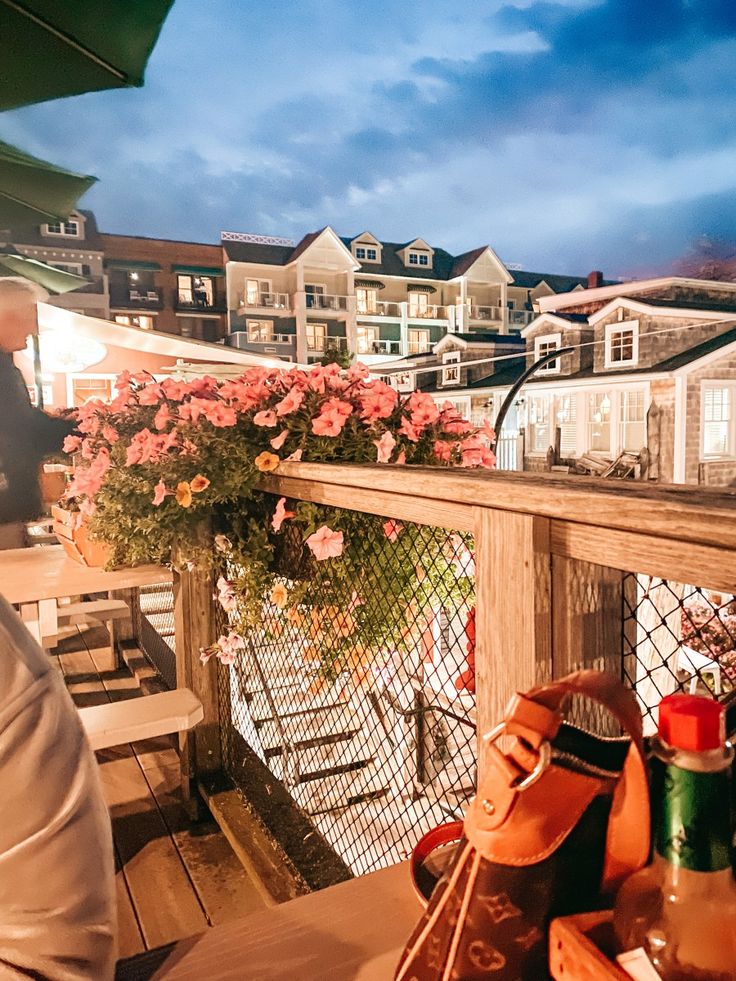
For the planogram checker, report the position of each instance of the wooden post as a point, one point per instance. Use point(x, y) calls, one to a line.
point(194, 620)
point(513, 608)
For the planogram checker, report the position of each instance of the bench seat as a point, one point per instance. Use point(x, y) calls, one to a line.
point(141, 718)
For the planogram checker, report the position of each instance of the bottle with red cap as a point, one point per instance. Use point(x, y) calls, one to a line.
point(676, 919)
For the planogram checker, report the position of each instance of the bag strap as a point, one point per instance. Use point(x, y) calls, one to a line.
point(443, 834)
point(628, 836)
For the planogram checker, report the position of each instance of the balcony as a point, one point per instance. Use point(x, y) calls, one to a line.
point(327, 301)
point(520, 318)
point(318, 345)
point(419, 347)
point(428, 313)
point(381, 308)
point(192, 300)
point(136, 298)
point(379, 347)
point(486, 314)
point(263, 301)
point(263, 343)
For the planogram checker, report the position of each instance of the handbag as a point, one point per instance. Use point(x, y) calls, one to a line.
point(560, 819)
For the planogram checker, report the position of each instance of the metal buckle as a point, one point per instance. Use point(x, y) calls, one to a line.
point(543, 760)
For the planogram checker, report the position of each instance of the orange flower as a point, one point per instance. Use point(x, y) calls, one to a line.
point(184, 494)
point(295, 616)
point(280, 595)
point(199, 484)
point(266, 462)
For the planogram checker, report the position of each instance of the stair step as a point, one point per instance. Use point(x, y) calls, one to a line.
point(337, 791)
point(288, 699)
point(349, 753)
point(334, 724)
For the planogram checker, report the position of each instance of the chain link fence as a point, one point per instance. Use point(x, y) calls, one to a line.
point(153, 623)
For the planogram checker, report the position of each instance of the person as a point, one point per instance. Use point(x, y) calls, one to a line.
point(57, 872)
point(27, 434)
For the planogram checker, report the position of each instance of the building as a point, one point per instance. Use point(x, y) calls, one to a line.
point(74, 245)
point(650, 371)
point(165, 285)
point(381, 301)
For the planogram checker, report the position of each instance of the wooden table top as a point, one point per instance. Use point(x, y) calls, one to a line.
point(31, 574)
point(354, 931)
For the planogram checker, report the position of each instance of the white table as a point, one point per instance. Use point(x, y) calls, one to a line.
point(36, 578)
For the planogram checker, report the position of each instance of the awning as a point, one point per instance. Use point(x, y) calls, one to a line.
point(132, 264)
point(199, 270)
point(33, 190)
point(420, 288)
point(369, 284)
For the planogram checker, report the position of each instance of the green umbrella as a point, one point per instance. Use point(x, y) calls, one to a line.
point(33, 190)
point(13, 263)
point(53, 49)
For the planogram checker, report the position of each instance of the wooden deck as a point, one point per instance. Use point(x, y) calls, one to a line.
point(175, 878)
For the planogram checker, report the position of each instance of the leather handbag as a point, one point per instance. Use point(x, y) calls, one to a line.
point(560, 819)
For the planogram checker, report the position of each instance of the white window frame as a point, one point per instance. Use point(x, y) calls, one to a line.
point(624, 326)
point(260, 327)
point(547, 340)
point(451, 368)
point(86, 376)
point(548, 397)
point(370, 297)
point(613, 416)
point(623, 424)
point(63, 226)
point(730, 451)
point(366, 251)
point(309, 329)
point(367, 337)
point(418, 257)
point(425, 340)
point(414, 299)
point(260, 292)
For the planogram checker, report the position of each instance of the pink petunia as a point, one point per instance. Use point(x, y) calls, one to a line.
point(110, 434)
point(392, 529)
point(423, 410)
point(72, 444)
point(267, 418)
point(220, 415)
point(332, 418)
point(385, 446)
point(226, 594)
point(229, 648)
point(476, 454)
point(160, 493)
point(325, 543)
point(162, 418)
point(408, 429)
point(278, 441)
point(280, 515)
point(294, 457)
point(150, 395)
point(206, 654)
point(378, 402)
point(290, 402)
point(401, 459)
point(443, 450)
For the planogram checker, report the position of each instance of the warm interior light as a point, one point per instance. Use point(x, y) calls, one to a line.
point(67, 352)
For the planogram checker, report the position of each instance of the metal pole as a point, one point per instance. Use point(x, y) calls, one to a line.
point(553, 355)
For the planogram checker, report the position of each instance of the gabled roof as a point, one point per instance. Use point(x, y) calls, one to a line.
point(556, 282)
point(674, 308)
point(632, 288)
point(304, 244)
point(465, 262)
point(282, 255)
point(366, 237)
point(31, 235)
point(562, 320)
point(685, 358)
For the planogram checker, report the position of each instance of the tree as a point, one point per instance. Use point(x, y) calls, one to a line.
point(709, 258)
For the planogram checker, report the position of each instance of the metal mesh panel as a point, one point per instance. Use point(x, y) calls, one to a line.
point(362, 704)
point(677, 638)
point(154, 627)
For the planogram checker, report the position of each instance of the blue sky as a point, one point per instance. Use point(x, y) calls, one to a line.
point(568, 135)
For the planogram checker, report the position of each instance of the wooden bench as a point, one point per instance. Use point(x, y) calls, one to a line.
point(141, 718)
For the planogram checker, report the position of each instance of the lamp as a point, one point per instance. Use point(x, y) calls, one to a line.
point(67, 354)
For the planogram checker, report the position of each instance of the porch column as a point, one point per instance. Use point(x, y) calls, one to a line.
point(504, 308)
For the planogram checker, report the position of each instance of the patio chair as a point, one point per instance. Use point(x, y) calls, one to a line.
point(697, 664)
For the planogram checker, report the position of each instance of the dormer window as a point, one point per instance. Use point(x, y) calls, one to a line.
point(66, 229)
point(546, 345)
point(451, 368)
point(366, 253)
point(418, 259)
point(622, 344)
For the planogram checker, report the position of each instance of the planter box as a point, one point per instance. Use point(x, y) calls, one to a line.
point(52, 481)
point(76, 540)
point(581, 947)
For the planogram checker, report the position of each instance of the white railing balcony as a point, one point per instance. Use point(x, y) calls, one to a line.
point(274, 301)
point(488, 314)
point(320, 344)
point(379, 347)
point(379, 308)
point(326, 301)
point(428, 313)
point(419, 347)
point(520, 318)
point(271, 339)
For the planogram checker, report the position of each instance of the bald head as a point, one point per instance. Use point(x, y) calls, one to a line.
point(18, 314)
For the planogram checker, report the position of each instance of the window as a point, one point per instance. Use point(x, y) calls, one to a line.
point(622, 344)
point(419, 342)
point(257, 292)
point(69, 229)
point(719, 431)
point(135, 320)
point(545, 345)
point(316, 336)
point(451, 368)
point(404, 382)
point(198, 291)
point(599, 422)
point(366, 300)
point(87, 387)
point(418, 305)
point(632, 421)
point(418, 259)
point(359, 252)
point(70, 267)
point(539, 435)
point(366, 340)
point(566, 415)
point(366, 253)
point(259, 330)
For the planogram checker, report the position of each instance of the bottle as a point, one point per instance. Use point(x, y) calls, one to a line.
point(679, 912)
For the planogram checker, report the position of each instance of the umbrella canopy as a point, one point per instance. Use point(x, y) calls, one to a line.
point(53, 49)
point(33, 190)
point(13, 263)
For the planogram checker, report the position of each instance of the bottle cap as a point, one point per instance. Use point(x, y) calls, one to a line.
point(691, 722)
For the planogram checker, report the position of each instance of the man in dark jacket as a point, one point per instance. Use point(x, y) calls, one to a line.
point(27, 434)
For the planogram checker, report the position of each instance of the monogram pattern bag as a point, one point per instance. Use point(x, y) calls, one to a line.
point(560, 819)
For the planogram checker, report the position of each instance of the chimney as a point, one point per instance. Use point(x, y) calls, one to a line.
point(595, 279)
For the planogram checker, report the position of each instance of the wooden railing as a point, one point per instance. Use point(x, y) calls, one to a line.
point(550, 551)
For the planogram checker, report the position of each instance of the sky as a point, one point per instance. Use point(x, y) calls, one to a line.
point(568, 135)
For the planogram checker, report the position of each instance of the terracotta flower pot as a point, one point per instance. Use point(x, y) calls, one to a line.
point(71, 529)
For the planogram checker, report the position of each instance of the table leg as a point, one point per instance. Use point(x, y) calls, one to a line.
point(30, 617)
point(48, 619)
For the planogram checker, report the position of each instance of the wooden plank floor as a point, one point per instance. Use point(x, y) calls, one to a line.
point(174, 878)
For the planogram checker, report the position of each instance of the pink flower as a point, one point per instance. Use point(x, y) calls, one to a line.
point(385, 446)
point(229, 647)
point(123, 380)
point(443, 450)
point(160, 493)
point(280, 515)
point(88, 450)
point(392, 529)
point(325, 543)
point(110, 434)
point(278, 441)
point(332, 418)
point(476, 454)
point(150, 395)
point(408, 429)
point(226, 594)
point(289, 403)
point(72, 444)
point(294, 457)
point(378, 402)
point(162, 418)
point(206, 653)
point(174, 390)
point(400, 459)
point(423, 409)
point(488, 431)
point(357, 372)
point(266, 418)
point(220, 415)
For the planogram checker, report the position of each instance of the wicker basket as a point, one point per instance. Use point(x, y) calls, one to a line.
point(75, 538)
point(579, 948)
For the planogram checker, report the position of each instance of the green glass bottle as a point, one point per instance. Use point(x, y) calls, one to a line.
point(680, 911)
